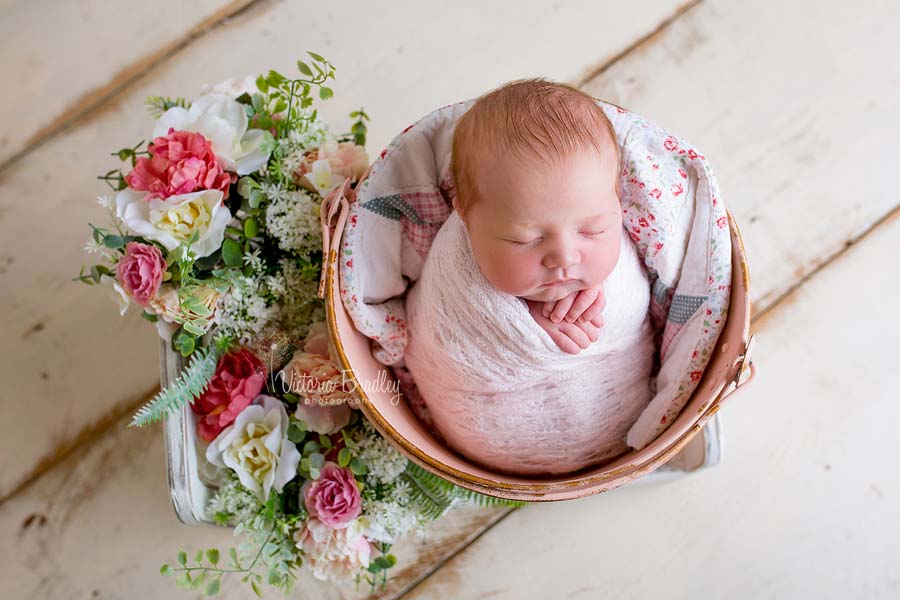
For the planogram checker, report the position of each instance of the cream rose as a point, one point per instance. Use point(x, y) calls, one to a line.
point(223, 121)
point(256, 447)
point(171, 221)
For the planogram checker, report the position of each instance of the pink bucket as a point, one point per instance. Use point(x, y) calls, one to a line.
point(728, 369)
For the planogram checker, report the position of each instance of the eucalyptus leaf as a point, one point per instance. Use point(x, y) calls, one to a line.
point(232, 254)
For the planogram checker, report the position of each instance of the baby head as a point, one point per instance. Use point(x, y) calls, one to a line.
point(536, 168)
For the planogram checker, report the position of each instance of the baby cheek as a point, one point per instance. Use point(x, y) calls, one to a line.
point(510, 273)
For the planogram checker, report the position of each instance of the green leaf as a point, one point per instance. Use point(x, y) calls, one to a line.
point(344, 457)
point(261, 84)
point(149, 317)
point(212, 555)
point(256, 589)
point(232, 254)
point(310, 447)
point(114, 241)
point(256, 197)
point(198, 558)
point(317, 460)
point(194, 330)
point(358, 466)
point(304, 68)
point(296, 432)
point(275, 78)
point(165, 570)
point(251, 227)
point(316, 56)
point(182, 558)
point(325, 441)
point(234, 231)
point(325, 92)
point(198, 581)
point(213, 587)
point(245, 100)
point(234, 557)
point(185, 344)
point(183, 580)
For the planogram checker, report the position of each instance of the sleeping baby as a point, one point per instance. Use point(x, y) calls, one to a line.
point(528, 332)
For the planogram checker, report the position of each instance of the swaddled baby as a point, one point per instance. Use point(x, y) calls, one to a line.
point(528, 332)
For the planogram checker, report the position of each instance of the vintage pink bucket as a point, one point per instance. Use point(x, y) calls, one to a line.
point(729, 369)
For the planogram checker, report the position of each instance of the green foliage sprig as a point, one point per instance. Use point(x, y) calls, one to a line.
point(189, 385)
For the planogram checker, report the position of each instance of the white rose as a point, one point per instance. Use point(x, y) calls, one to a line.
point(172, 220)
point(121, 296)
point(223, 121)
point(257, 448)
point(232, 87)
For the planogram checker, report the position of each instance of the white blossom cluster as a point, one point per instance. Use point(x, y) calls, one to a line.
point(384, 463)
point(245, 309)
point(292, 147)
point(235, 499)
point(292, 218)
point(389, 520)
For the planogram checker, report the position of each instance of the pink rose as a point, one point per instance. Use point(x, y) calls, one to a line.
point(141, 271)
point(334, 497)
point(334, 554)
point(317, 340)
point(180, 163)
point(238, 379)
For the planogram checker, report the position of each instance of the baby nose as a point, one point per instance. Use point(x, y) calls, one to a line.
point(563, 256)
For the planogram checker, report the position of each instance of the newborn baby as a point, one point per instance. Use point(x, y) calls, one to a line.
point(528, 332)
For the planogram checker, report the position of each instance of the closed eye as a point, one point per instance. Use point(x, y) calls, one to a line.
point(593, 233)
point(520, 243)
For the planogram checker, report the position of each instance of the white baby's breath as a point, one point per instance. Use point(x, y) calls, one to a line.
point(292, 218)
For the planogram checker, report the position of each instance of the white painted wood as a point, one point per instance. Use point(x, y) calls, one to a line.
point(101, 524)
point(399, 60)
point(795, 106)
point(804, 507)
point(58, 58)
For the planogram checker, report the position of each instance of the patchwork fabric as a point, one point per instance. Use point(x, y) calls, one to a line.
point(672, 211)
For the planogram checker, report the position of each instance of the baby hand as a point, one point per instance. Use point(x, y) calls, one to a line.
point(570, 337)
point(584, 305)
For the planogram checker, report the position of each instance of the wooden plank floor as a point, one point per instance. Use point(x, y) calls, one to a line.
point(797, 113)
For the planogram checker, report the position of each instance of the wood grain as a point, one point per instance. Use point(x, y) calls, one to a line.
point(65, 58)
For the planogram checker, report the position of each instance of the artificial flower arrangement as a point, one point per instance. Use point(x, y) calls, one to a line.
point(215, 236)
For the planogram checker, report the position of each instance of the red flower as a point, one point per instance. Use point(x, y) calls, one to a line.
point(695, 376)
point(671, 144)
point(683, 173)
point(677, 190)
point(238, 379)
point(655, 193)
point(180, 163)
point(722, 222)
point(692, 154)
point(643, 222)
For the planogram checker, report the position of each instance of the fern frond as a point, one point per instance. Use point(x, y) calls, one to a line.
point(189, 385)
point(437, 496)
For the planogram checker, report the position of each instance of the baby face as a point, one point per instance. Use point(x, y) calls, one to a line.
point(544, 234)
